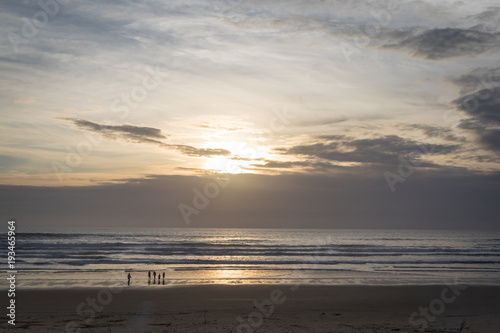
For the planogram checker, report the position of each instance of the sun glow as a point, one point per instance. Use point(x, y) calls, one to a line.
point(244, 158)
point(228, 165)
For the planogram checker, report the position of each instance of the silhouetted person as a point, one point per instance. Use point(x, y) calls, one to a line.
point(154, 275)
point(149, 275)
point(163, 275)
point(129, 277)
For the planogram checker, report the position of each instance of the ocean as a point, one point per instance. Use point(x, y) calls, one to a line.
point(63, 257)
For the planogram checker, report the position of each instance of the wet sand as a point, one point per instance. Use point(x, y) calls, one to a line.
point(259, 308)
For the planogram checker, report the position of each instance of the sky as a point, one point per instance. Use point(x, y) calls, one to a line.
point(222, 113)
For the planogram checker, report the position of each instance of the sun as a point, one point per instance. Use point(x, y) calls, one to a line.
point(223, 165)
point(229, 165)
point(244, 157)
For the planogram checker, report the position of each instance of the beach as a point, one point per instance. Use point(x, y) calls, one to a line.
point(259, 308)
point(242, 281)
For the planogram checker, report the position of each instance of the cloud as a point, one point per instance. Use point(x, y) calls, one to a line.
point(431, 131)
point(331, 137)
point(487, 135)
point(317, 166)
point(219, 127)
point(199, 152)
point(226, 59)
point(488, 19)
point(437, 44)
point(485, 110)
point(478, 80)
point(134, 133)
point(319, 121)
point(141, 134)
point(383, 150)
point(313, 120)
point(491, 138)
point(429, 199)
point(480, 101)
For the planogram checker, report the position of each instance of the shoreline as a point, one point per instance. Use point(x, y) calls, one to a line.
point(259, 308)
point(243, 285)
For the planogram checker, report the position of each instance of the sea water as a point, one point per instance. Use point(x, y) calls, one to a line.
point(63, 257)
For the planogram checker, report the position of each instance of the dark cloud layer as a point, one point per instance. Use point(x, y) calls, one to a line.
point(444, 43)
point(383, 150)
point(435, 200)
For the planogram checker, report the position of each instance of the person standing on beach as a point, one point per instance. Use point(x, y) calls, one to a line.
point(149, 275)
point(154, 275)
point(129, 277)
point(163, 275)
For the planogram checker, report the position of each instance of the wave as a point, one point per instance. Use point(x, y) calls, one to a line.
point(278, 249)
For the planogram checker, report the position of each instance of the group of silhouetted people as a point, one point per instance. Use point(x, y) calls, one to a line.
point(149, 277)
point(154, 277)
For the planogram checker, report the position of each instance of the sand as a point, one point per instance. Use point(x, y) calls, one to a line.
point(259, 308)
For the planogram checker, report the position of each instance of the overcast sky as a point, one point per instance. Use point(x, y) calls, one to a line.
point(323, 114)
